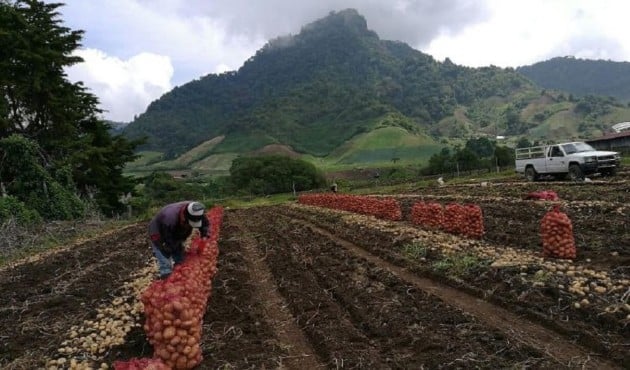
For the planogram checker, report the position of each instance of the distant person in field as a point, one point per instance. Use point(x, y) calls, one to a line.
point(333, 187)
point(170, 227)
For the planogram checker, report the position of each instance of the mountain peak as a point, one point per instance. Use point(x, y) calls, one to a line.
point(314, 91)
point(349, 19)
point(346, 22)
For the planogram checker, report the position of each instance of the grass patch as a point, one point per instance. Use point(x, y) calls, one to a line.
point(460, 265)
point(240, 143)
point(384, 144)
point(253, 201)
point(144, 159)
point(542, 277)
point(415, 251)
point(215, 164)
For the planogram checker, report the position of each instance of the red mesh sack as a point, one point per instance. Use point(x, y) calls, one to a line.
point(430, 215)
point(473, 221)
point(174, 307)
point(141, 364)
point(556, 232)
point(454, 218)
point(419, 213)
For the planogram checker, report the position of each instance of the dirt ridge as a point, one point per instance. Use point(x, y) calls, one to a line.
point(512, 325)
point(300, 353)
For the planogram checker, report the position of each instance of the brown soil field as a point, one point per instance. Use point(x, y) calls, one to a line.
point(305, 287)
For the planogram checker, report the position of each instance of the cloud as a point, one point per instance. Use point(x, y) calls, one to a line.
point(412, 21)
point(599, 31)
point(196, 43)
point(201, 37)
point(525, 32)
point(124, 87)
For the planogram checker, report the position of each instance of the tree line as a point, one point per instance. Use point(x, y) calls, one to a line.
point(57, 157)
point(582, 77)
point(477, 153)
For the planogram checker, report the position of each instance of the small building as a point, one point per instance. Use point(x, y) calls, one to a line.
point(179, 174)
point(618, 142)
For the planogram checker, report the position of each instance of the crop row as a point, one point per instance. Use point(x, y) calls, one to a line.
point(174, 307)
point(454, 218)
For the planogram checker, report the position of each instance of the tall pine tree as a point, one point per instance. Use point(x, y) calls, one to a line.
point(38, 102)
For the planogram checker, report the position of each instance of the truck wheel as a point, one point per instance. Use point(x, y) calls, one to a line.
point(530, 174)
point(575, 173)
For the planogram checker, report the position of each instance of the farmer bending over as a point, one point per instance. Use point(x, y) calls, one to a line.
point(171, 227)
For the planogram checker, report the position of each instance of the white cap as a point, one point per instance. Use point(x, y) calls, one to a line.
point(194, 213)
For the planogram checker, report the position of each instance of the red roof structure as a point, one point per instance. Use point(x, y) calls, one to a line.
point(614, 135)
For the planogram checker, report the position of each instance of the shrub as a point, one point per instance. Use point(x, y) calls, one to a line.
point(11, 207)
point(31, 182)
point(274, 174)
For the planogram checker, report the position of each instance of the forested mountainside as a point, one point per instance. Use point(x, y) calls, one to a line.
point(337, 83)
point(582, 77)
point(317, 89)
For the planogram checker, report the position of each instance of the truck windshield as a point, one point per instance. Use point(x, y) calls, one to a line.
point(577, 148)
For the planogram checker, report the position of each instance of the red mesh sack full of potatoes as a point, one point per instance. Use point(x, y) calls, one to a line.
point(556, 232)
point(174, 307)
point(141, 364)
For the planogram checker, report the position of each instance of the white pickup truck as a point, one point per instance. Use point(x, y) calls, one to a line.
point(574, 160)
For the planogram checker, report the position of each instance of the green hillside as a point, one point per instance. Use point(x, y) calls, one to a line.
point(216, 164)
point(340, 96)
point(316, 90)
point(387, 145)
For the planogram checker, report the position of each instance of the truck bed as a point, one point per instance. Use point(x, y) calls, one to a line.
point(532, 152)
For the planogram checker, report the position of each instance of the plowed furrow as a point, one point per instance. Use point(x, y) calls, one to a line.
point(512, 325)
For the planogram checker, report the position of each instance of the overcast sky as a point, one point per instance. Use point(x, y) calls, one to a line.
point(136, 50)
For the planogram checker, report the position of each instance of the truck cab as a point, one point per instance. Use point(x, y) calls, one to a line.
point(573, 159)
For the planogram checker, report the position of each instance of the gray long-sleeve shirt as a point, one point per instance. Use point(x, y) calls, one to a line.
point(169, 228)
